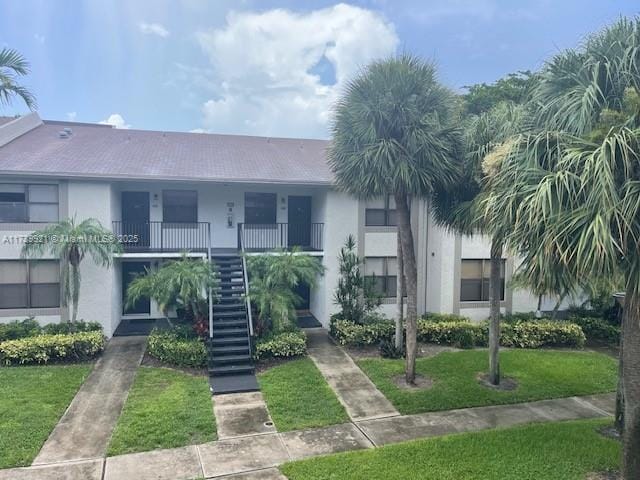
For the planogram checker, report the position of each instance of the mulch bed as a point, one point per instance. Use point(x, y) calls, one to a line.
point(506, 384)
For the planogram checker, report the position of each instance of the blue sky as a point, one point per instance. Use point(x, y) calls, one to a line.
point(267, 67)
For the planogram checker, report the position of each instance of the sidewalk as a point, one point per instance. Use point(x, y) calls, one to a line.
point(84, 430)
point(254, 457)
point(358, 394)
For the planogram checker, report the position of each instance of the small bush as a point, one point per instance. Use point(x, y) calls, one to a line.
point(541, 333)
point(52, 348)
point(349, 333)
point(521, 317)
point(388, 349)
point(19, 329)
point(281, 345)
point(458, 334)
point(598, 329)
point(444, 317)
point(66, 327)
point(174, 347)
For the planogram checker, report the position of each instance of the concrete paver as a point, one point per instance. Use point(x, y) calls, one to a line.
point(268, 474)
point(244, 454)
point(324, 441)
point(85, 429)
point(356, 392)
point(85, 470)
point(169, 464)
point(240, 414)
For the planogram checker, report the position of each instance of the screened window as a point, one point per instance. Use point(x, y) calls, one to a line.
point(380, 212)
point(35, 203)
point(474, 280)
point(384, 273)
point(29, 284)
point(260, 208)
point(180, 206)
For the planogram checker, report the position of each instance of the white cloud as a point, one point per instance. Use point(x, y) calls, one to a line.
point(116, 120)
point(71, 116)
point(266, 66)
point(153, 29)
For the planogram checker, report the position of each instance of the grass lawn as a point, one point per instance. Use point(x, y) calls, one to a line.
point(540, 374)
point(32, 400)
point(298, 396)
point(165, 408)
point(553, 451)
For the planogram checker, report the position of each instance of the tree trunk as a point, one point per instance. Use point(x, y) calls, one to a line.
point(75, 291)
point(411, 277)
point(495, 290)
point(399, 295)
point(618, 420)
point(538, 311)
point(631, 383)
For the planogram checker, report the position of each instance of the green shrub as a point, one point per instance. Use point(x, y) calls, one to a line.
point(597, 329)
point(444, 317)
point(47, 348)
point(172, 347)
point(281, 345)
point(458, 334)
point(388, 349)
point(349, 333)
point(66, 327)
point(521, 317)
point(541, 333)
point(19, 329)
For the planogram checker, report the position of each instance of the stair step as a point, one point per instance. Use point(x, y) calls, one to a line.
point(232, 276)
point(229, 332)
point(226, 341)
point(226, 359)
point(229, 350)
point(229, 306)
point(228, 262)
point(231, 369)
point(229, 324)
point(231, 269)
point(229, 314)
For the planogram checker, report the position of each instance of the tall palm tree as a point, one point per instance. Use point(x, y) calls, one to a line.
point(394, 134)
point(13, 66)
point(71, 242)
point(572, 190)
point(457, 208)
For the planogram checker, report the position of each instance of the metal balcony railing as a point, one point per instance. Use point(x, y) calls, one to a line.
point(259, 237)
point(163, 236)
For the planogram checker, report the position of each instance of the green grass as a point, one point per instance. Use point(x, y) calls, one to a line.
point(32, 400)
point(540, 374)
point(298, 396)
point(165, 409)
point(554, 451)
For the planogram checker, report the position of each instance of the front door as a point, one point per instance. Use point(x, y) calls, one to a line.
point(299, 221)
point(135, 218)
point(131, 270)
point(304, 292)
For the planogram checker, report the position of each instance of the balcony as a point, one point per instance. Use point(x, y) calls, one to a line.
point(163, 237)
point(253, 237)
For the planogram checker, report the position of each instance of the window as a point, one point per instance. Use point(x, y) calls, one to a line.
point(260, 208)
point(384, 272)
point(35, 203)
point(179, 206)
point(29, 284)
point(474, 280)
point(380, 212)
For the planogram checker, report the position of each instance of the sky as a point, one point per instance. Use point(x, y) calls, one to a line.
point(263, 67)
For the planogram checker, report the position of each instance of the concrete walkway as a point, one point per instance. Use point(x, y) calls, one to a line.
point(85, 429)
point(255, 457)
point(358, 394)
point(242, 414)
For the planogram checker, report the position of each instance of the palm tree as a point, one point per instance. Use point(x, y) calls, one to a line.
point(572, 190)
point(71, 242)
point(181, 283)
point(12, 66)
point(273, 280)
point(458, 208)
point(393, 134)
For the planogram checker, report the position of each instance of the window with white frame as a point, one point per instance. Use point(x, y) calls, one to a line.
point(474, 280)
point(33, 203)
point(180, 206)
point(384, 272)
point(380, 212)
point(29, 284)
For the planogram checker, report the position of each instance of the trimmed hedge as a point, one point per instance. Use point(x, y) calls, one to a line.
point(458, 334)
point(173, 347)
point(29, 327)
point(52, 348)
point(596, 328)
point(281, 345)
point(349, 333)
point(444, 317)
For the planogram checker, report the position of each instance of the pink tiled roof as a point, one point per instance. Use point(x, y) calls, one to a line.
point(140, 154)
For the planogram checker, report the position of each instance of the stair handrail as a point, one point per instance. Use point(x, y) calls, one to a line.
point(246, 280)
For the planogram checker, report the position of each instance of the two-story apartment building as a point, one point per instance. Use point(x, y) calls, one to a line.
point(209, 195)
